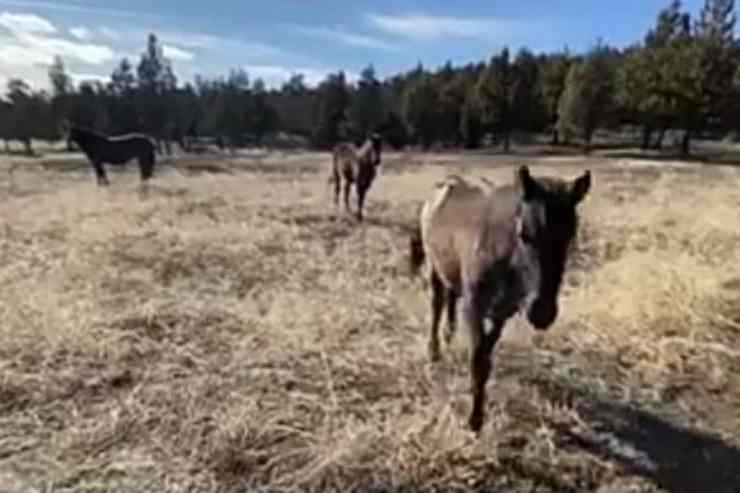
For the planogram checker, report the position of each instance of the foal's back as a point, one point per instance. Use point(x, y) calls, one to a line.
point(466, 228)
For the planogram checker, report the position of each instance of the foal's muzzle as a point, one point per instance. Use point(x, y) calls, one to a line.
point(542, 314)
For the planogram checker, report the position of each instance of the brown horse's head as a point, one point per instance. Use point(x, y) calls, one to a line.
point(547, 224)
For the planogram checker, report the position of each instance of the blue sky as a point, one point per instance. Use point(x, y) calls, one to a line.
point(272, 39)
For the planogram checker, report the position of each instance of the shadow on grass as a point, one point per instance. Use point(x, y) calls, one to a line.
point(676, 458)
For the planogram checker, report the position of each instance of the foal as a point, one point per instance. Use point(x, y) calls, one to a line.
point(503, 250)
point(356, 166)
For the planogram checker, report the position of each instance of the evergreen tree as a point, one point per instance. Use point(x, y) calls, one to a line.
point(421, 110)
point(62, 90)
point(552, 83)
point(496, 92)
point(588, 99)
point(366, 111)
point(333, 102)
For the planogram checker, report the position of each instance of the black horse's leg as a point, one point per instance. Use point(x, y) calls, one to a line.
point(482, 345)
point(438, 291)
point(451, 315)
point(100, 173)
point(146, 166)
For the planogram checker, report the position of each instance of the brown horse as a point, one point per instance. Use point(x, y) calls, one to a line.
point(356, 166)
point(503, 250)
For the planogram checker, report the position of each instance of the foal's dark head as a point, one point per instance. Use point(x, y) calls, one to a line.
point(548, 224)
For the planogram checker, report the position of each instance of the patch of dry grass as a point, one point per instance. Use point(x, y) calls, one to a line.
point(226, 333)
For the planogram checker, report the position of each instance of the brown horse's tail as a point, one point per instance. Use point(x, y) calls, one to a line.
point(416, 245)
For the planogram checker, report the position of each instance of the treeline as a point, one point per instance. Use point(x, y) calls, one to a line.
point(684, 75)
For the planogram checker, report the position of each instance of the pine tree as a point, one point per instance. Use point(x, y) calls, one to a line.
point(420, 109)
point(587, 101)
point(366, 111)
point(62, 89)
point(333, 103)
point(552, 83)
point(496, 91)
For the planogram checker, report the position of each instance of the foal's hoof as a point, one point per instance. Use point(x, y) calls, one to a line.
point(449, 336)
point(434, 353)
point(475, 422)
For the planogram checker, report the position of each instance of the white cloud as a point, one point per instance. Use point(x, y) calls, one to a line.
point(209, 41)
point(61, 6)
point(28, 44)
point(421, 27)
point(345, 37)
point(110, 33)
point(81, 33)
point(92, 54)
point(78, 78)
point(25, 23)
point(175, 53)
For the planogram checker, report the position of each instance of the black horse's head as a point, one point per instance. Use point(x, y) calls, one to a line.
point(548, 222)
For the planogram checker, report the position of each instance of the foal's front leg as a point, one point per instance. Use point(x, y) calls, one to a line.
point(451, 316)
point(437, 305)
point(481, 363)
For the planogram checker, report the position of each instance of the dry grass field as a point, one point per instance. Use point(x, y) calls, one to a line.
point(226, 333)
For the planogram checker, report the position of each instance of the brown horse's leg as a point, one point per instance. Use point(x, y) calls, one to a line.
point(337, 187)
point(347, 188)
point(438, 291)
point(482, 345)
point(361, 191)
point(451, 316)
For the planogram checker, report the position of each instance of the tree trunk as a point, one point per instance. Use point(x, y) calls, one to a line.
point(587, 137)
point(7, 146)
point(555, 137)
point(507, 140)
point(29, 147)
point(686, 143)
point(647, 132)
point(659, 141)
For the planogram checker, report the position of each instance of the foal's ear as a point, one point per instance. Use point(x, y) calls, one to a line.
point(527, 184)
point(580, 187)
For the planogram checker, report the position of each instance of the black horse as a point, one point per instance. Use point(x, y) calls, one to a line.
point(119, 150)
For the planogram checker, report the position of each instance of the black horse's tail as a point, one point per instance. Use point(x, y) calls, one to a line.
point(416, 245)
